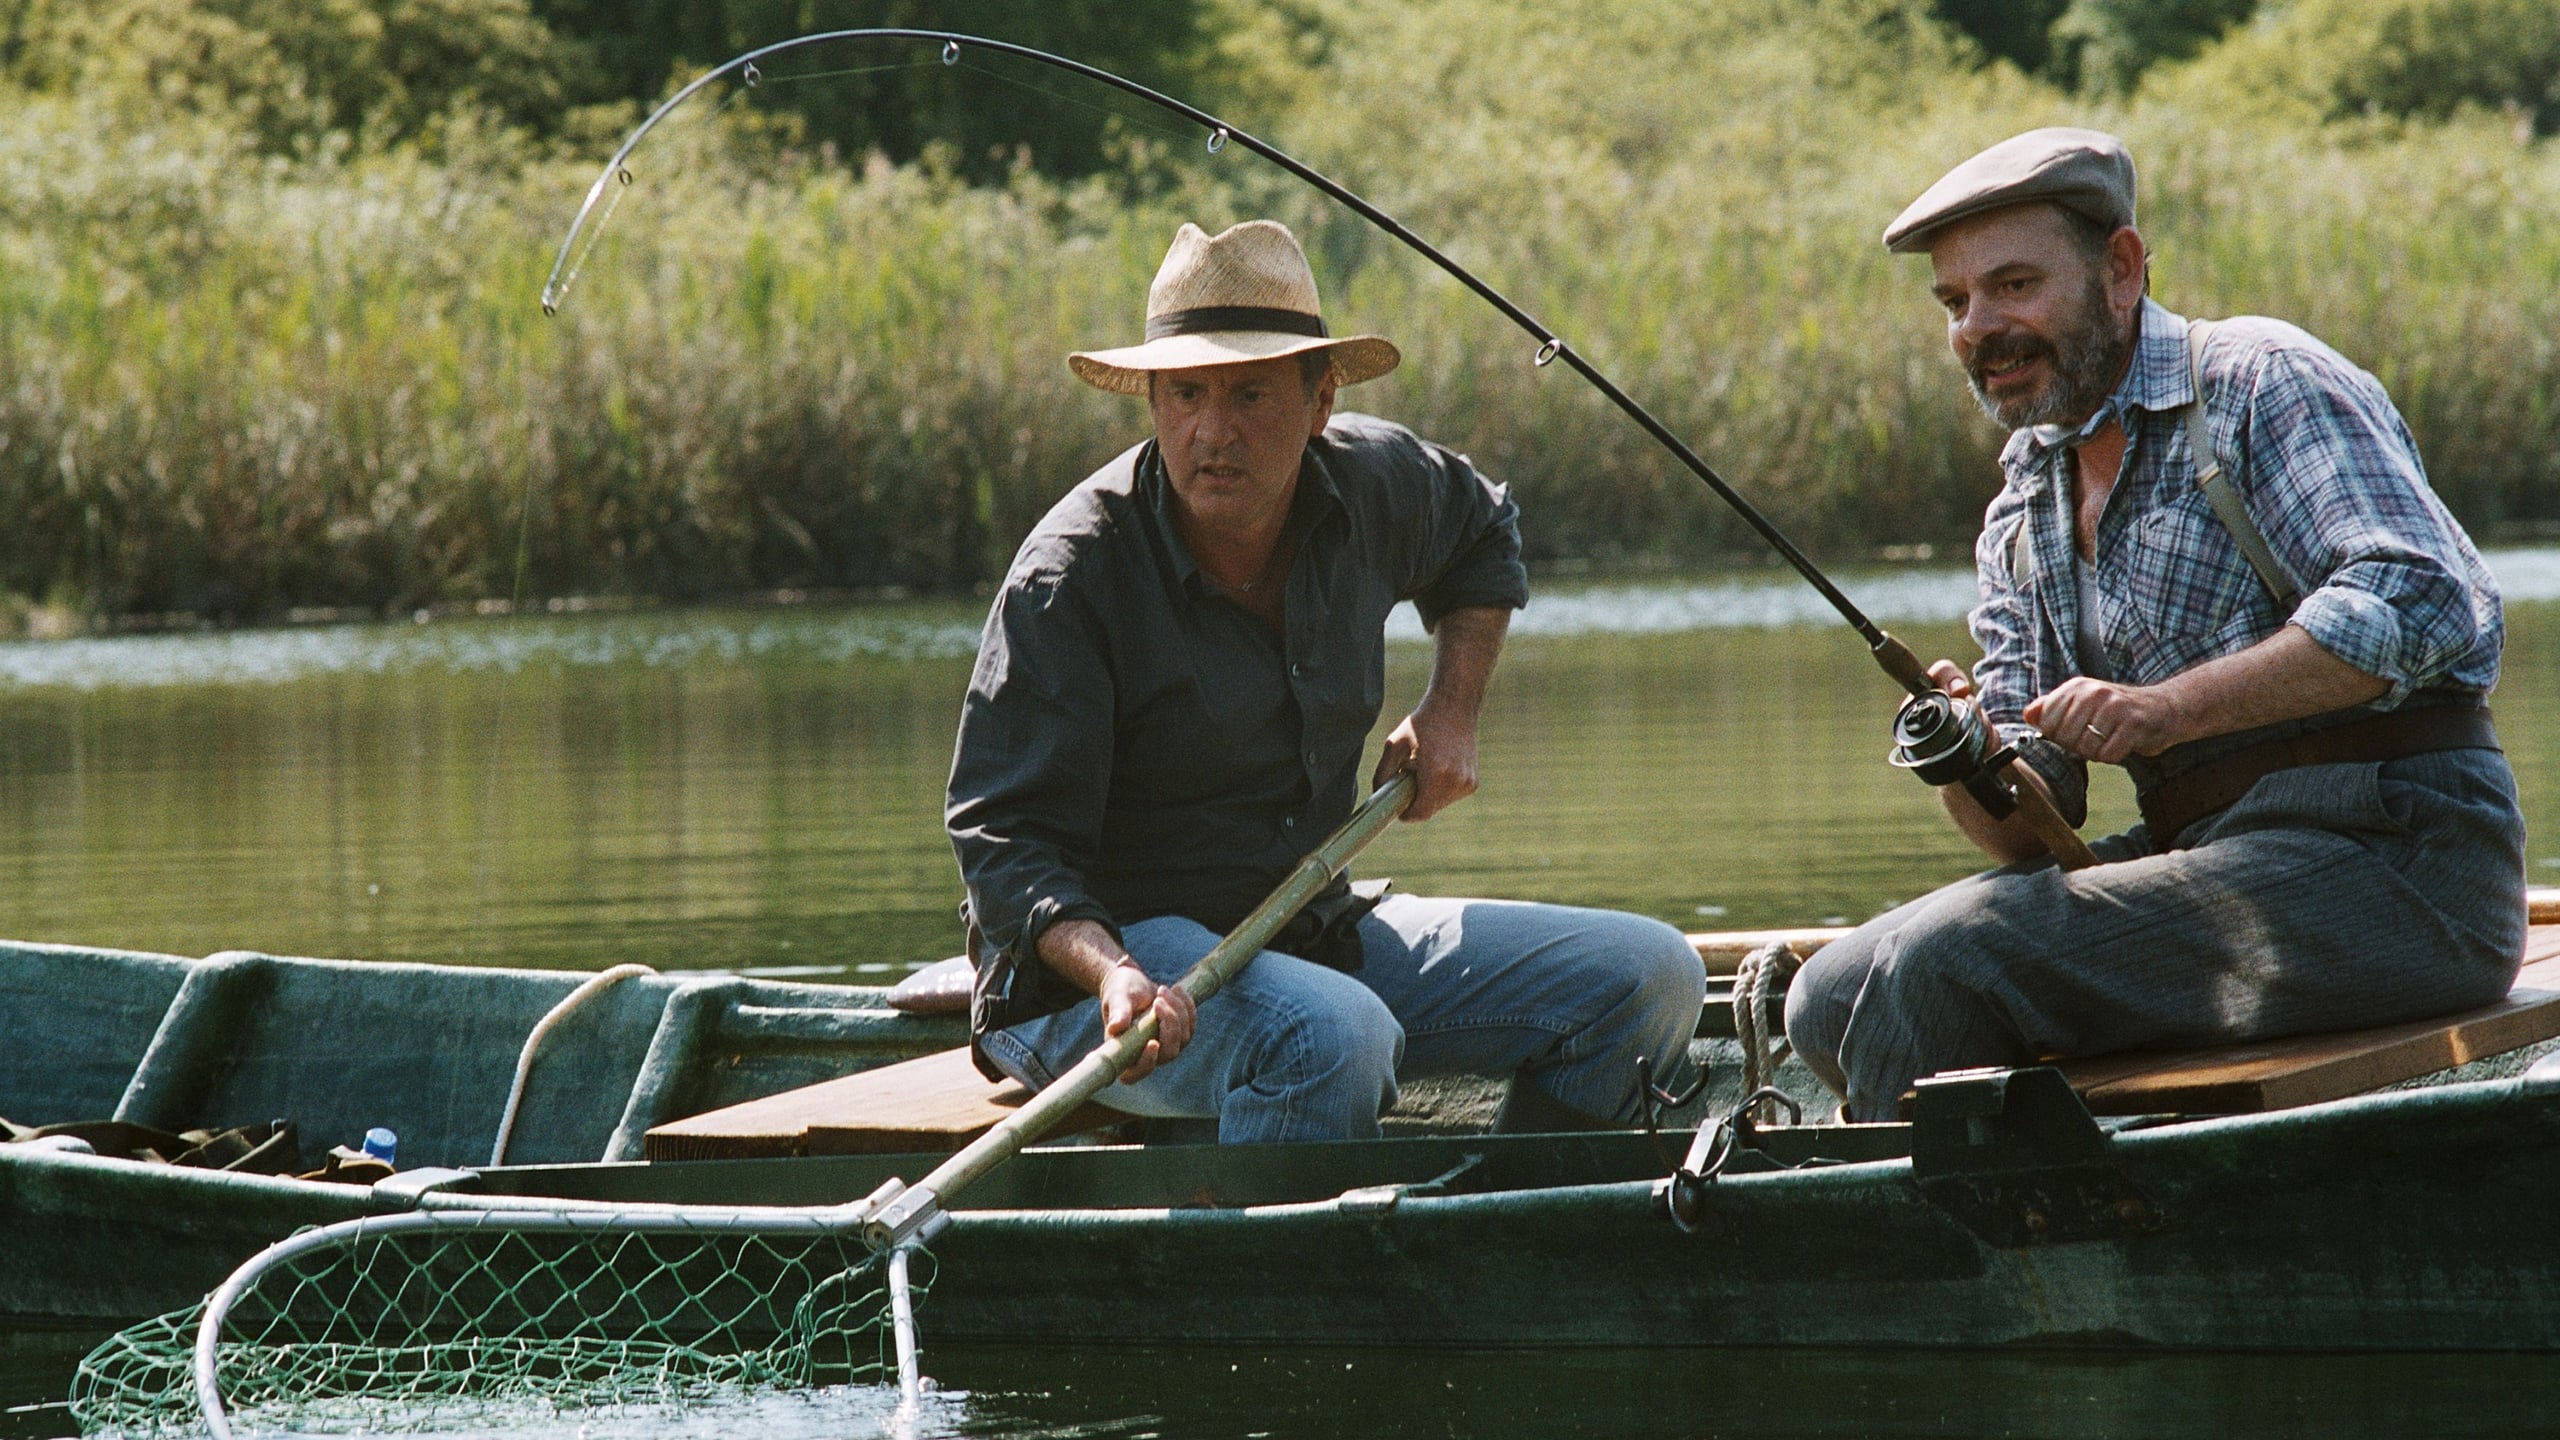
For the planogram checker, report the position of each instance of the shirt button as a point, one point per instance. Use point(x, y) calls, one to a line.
point(1288, 822)
point(1297, 671)
point(1311, 757)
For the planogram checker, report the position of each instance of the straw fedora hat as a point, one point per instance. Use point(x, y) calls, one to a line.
point(1225, 299)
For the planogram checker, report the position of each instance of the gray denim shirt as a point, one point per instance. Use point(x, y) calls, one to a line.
point(1136, 744)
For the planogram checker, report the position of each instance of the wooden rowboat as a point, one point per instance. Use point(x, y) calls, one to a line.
point(2411, 1219)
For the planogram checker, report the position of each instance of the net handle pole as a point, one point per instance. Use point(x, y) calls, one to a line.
point(1098, 1069)
point(902, 1321)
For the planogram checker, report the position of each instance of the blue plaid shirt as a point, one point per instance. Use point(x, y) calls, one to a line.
point(2390, 584)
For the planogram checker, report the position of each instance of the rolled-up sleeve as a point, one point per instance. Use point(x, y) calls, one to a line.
point(1467, 550)
point(2346, 499)
point(1029, 775)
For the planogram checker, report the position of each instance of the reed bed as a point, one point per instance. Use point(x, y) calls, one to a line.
point(237, 386)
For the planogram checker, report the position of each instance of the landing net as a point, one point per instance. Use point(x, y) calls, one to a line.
point(444, 1322)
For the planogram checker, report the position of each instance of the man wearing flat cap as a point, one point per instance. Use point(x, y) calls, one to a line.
point(1170, 702)
point(2216, 562)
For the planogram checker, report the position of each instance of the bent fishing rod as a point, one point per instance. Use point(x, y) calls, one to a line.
point(1941, 739)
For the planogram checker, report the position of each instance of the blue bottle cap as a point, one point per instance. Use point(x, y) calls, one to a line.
point(382, 1145)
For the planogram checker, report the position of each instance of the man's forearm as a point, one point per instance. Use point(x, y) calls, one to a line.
point(2283, 677)
point(1081, 950)
point(1466, 645)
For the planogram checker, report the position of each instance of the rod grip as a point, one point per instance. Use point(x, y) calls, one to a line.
point(1900, 663)
point(2047, 822)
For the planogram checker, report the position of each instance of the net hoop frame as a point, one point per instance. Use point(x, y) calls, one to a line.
point(456, 1215)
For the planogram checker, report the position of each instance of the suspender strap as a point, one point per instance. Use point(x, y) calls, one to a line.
point(2217, 486)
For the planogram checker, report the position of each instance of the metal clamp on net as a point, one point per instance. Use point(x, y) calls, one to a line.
point(1946, 741)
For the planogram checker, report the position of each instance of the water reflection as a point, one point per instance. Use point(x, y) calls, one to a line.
point(762, 790)
point(1762, 1395)
point(1048, 1393)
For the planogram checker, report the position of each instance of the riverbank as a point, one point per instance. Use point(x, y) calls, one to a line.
point(240, 385)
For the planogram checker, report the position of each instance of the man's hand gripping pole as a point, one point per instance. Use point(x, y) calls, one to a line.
point(1946, 741)
point(901, 1215)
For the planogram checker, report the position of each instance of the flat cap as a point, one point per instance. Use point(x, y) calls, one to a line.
point(2089, 171)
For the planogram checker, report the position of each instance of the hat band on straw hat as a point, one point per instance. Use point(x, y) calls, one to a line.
point(1214, 319)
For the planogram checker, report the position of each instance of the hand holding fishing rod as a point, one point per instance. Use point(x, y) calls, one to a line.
point(1943, 737)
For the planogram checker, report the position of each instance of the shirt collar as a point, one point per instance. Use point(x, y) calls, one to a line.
point(1155, 488)
point(2157, 380)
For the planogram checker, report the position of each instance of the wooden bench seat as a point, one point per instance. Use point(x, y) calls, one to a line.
point(2307, 1069)
point(935, 1103)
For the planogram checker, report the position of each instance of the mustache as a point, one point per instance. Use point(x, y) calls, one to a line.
point(2001, 350)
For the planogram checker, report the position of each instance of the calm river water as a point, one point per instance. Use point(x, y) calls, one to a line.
point(761, 790)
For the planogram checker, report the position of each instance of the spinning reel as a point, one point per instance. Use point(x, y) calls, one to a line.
point(1945, 741)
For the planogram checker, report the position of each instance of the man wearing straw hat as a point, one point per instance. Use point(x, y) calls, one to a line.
point(2215, 562)
point(1170, 703)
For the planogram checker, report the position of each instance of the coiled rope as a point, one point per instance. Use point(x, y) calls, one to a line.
point(1762, 975)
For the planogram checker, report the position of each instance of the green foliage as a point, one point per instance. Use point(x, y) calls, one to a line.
point(2018, 31)
point(239, 376)
point(2101, 46)
point(878, 99)
point(297, 72)
point(2404, 59)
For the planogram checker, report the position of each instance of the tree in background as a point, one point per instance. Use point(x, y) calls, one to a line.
point(2405, 59)
point(2102, 46)
point(267, 267)
point(636, 49)
point(296, 72)
point(383, 73)
point(2018, 31)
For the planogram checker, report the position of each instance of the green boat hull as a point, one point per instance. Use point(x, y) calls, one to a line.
point(340, 1047)
point(2410, 1221)
point(2415, 1221)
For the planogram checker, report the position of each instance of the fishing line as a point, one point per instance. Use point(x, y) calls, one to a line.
point(1132, 121)
point(769, 78)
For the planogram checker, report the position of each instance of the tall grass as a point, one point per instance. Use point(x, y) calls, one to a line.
point(235, 386)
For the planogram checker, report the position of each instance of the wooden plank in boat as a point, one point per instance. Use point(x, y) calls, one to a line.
point(930, 1104)
point(2307, 1069)
point(1722, 950)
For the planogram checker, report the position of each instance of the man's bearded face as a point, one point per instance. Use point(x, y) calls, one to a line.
point(2086, 353)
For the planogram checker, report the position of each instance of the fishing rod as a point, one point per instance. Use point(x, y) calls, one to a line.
point(1936, 736)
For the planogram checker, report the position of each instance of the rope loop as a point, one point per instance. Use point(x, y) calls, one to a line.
point(1762, 975)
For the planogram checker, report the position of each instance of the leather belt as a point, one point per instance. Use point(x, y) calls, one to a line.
point(2169, 807)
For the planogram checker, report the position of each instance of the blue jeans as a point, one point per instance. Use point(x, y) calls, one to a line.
point(1565, 998)
point(2330, 897)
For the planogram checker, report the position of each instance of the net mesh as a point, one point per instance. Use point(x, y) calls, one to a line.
point(439, 1329)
